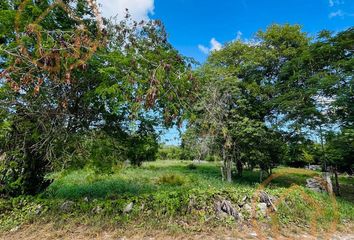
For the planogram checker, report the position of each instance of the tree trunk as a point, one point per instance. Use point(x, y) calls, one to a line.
point(336, 188)
point(239, 168)
point(323, 154)
point(228, 170)
point(328, 182)
point(222, 173)
point(227, 165)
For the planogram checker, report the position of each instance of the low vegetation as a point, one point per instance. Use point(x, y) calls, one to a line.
point(166, 192)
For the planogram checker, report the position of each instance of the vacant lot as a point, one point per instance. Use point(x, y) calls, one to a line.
point(174, 197)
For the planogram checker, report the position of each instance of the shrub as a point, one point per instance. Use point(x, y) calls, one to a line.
point(95, 149)
point(169, 153)
point(172, 179)
point(143, 145)
point(25, 154)
point(105, 150)
point(212, 158)
point(192, 166)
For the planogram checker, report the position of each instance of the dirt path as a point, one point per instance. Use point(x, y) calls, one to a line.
point(43, 232)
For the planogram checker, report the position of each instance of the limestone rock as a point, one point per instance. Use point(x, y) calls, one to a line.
point(267, 199)
point(243, 201)
point(223, 207)
point(97, 210)
point(67, 206)
point(128, 208)
point(314, 167)
point(38, 210)
point(247, 208)
point(262, 208)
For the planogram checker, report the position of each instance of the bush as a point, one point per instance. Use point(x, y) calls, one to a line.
point(172, 179)
point(104, 150)
point(95, 149)
point(143, 145)
point(25, 154)
point(192, 166)
point(169, 153)
point(212, 158)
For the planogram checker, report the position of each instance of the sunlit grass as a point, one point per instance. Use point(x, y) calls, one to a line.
point(166, 188)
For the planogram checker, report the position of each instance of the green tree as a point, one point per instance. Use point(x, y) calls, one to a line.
point(128, 78)
point(237, 105)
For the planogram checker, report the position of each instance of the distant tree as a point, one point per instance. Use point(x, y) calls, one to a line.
point(340, 153)
point(170, 152)
point(237, 104)
point(283, 84)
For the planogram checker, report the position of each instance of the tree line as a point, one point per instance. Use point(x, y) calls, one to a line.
point(282, 98)
point(77, 91)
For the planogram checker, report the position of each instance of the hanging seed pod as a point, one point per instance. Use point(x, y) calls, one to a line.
point(64, 104)
point(14, 86)
point(40, 81)
point(18, 61)
point(67, 78)
point(36, 90)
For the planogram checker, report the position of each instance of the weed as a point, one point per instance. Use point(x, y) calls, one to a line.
point(172, 179)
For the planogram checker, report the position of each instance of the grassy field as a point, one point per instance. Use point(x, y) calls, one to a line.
point(173, 195)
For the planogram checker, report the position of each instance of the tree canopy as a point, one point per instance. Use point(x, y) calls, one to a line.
point(265, 101)
point(67, 74)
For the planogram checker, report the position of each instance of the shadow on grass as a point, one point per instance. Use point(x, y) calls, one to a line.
point(286, 180)
point(203, 170)
point(346, 188)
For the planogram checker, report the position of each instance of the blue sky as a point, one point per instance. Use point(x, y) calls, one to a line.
point(194, 22)
point(197, 26)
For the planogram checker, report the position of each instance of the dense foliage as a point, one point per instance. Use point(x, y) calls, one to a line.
point(76, 90)
point(281, 98)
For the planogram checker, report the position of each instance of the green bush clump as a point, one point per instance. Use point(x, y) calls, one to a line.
point(192, 166)
point(169, 152)
point(212, 158)
point(172, 179)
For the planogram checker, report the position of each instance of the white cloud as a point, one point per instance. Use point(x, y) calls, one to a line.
point(203, 49)
point(139, 9)
point(239, 35)
point(338, 13)
point(333, 3)
point(214, 46)
point(252, 42)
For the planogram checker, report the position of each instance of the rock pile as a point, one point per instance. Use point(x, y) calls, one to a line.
point(224, 208)
point(314, 167)
point(320, 184)
point(67, 206)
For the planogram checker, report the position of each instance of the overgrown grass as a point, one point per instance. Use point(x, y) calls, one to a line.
point(134, 181)
point(166, 192)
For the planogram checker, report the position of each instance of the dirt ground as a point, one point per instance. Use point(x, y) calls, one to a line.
point(39, 232)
